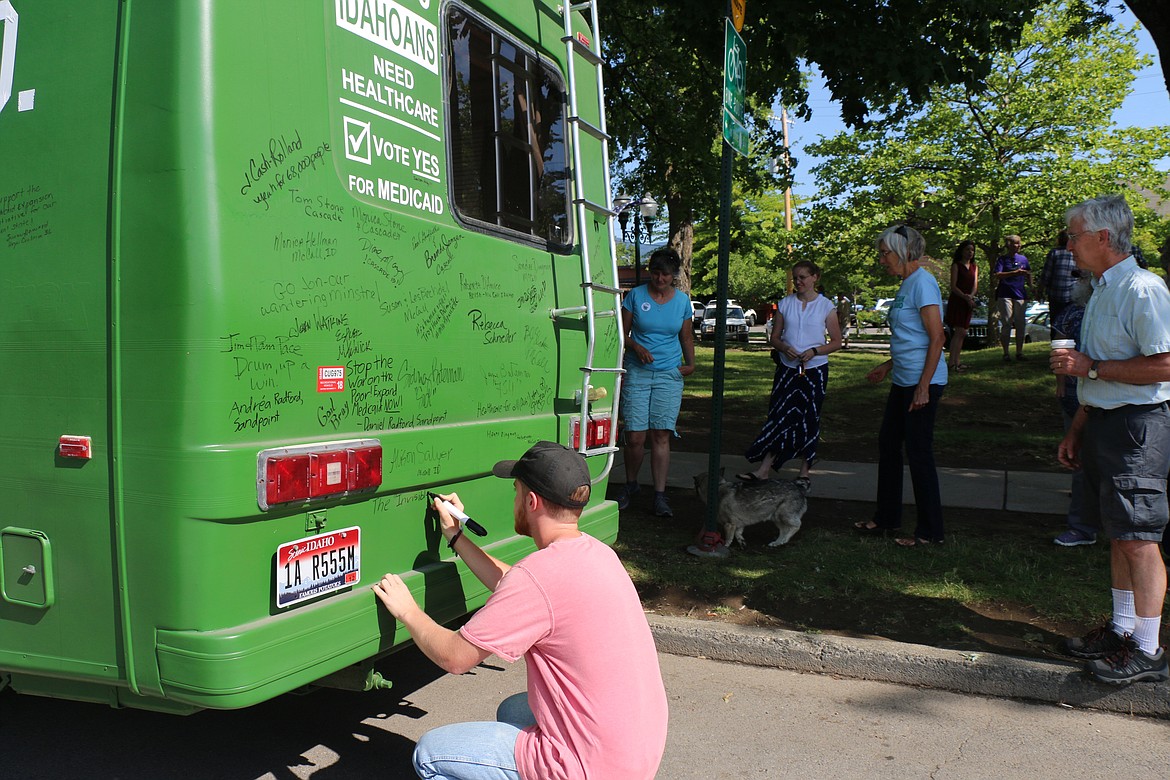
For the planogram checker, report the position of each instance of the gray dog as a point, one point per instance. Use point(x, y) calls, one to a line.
point(741, 504)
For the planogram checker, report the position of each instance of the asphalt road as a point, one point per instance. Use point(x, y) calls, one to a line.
point(727, 721)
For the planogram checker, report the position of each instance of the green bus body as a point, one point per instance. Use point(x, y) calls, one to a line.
point(229, 228)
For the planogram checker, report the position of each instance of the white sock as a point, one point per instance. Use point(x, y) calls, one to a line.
point(1124, 614)
point(1145, 633)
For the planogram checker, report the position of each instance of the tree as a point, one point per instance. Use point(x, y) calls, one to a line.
point(1008, 159)
point(1152, 14)
point(757, 267)
point(664, 77)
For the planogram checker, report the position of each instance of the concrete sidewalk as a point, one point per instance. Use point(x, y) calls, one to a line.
point(1035, 492)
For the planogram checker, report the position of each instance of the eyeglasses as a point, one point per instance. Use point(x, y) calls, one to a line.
point(883, 252)
point(1073, 236)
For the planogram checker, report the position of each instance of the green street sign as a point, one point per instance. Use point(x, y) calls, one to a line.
point(734, 79)
point(735, 133)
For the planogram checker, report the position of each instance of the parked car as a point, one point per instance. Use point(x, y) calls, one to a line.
point(1038, 327)
point(883, 304)
point(697, 317)
point(976, 334)
point(1036, 307)
point(749, 315)
point(737, 327)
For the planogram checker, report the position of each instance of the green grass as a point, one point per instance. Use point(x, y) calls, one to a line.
point(994, 415)
point(999, 582)
point(830, 579)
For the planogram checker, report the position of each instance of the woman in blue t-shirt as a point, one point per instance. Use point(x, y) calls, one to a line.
point(658, 322)
point(918, 375)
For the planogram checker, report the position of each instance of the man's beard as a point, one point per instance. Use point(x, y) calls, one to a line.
point(520, 521)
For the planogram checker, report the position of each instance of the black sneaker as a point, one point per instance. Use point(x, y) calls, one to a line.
point(1129, 664)
point(627, 494)
point(662, 506)
point(1098, 643)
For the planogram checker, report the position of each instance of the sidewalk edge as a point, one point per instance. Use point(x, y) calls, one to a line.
point(983, 674)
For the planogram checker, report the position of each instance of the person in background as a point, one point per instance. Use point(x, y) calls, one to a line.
point(960, 304)
point(918, 375)
point(1013, 274)
point(1058, 277)
point(1120, 436)
point(844, 318)
point(793, 427)
point(595, 706)
point(660, 352)
point(1067, 325)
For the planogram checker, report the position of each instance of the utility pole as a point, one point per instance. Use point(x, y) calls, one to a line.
point(784, 122)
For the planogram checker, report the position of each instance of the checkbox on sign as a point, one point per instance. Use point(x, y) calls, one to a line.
point(357, 141)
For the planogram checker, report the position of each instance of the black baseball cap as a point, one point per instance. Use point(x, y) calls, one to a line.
point(552, 471)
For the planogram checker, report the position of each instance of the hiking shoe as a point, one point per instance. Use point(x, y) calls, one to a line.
point(1098, 643)
point(1129, 664)
point(1074, 538)
point(710, 546)
point(627, 494)
point(662, 506)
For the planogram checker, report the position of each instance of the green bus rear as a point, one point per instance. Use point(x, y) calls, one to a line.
point(273, 270)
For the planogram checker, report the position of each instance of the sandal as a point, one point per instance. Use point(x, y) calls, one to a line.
point(914, 541)
point(747, 476)
point(870, 528)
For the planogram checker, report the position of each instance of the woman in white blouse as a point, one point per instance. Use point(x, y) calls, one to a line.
point(799, 348)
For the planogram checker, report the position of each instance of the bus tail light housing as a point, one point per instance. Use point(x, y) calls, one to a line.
point(597, 430)
point(309, 472)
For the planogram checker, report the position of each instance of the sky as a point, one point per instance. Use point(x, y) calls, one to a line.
point(1146, 106)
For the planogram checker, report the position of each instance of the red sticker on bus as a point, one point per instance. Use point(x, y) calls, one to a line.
point(330, 379)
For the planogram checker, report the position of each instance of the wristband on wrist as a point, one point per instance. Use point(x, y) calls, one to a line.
point(455, 538)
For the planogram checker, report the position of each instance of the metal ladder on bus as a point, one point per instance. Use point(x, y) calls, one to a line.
point(579, 45)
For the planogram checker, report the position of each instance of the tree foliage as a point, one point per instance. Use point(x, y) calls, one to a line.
point(1154, 17)
point(664, 77)
point(1008, 159)
point(758, 264)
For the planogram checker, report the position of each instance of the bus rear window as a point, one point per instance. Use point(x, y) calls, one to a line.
point(506, 114)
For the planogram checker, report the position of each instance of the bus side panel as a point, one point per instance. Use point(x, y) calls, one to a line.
point(285, 210)
point(57, 615)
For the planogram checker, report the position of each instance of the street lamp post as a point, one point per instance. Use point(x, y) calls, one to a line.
point(645, 211)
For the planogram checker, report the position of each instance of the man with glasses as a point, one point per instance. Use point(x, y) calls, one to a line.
point(1120, 437)
point(1014, 274)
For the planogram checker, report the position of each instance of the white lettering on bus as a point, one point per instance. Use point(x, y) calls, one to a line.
point(405, 195)
point(392, 27)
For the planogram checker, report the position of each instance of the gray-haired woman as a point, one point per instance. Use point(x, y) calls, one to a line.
point(918, 375)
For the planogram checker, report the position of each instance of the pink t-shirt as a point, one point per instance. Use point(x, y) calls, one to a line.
point(593, 679)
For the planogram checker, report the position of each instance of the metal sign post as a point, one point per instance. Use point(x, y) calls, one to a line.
point(735, 140)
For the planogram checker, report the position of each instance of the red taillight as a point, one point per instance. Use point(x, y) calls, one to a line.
point(597, 431)
point(288, 479)
point(75, 447)
point(297, 474)
point(365, 468)
point(328, 473)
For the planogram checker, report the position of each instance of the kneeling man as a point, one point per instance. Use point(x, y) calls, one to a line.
point(595, 706)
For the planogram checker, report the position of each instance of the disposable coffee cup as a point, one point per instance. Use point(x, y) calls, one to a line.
point(1064, 344)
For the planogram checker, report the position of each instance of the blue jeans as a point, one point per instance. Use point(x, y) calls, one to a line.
point(475, 751)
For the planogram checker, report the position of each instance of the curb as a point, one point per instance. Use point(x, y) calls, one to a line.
point(981, 674)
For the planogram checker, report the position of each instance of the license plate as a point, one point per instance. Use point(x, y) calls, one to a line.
point(317, 565)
